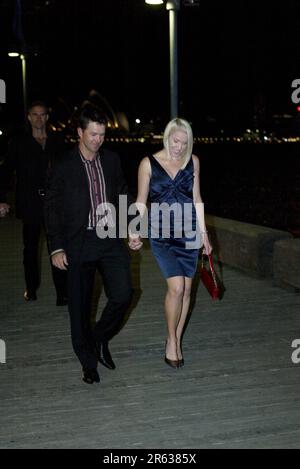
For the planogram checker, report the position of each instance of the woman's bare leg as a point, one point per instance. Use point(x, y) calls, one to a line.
point(184, 312)
point(173, 308)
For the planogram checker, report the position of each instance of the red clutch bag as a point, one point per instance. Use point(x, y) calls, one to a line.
point(209, 278)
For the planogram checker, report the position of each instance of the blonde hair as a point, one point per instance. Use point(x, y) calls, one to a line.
point(179, 124)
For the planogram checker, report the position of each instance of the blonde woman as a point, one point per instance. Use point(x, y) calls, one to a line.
point(170, 178)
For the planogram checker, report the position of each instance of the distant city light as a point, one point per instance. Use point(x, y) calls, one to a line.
point(191, 3)
point(298, 108)
point(138, 121)
point(1, 133)
point(154, 2)
point(256, 139)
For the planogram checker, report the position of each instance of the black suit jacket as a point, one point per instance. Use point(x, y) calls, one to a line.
point(67, 201)
point(31, 163)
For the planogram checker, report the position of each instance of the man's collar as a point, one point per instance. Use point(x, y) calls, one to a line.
point(84, 160)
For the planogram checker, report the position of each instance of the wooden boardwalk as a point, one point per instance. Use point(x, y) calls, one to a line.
point(239, 388)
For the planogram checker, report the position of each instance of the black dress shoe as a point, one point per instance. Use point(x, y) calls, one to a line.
point(30, 296)
point(90, 375)
point(104, 356)
point(61, 301)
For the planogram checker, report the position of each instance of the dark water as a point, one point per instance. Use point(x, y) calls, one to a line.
point(253, 183)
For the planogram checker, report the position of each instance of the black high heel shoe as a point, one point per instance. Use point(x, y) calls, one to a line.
point(172, 363)
point(168, 361)
point(181, 363)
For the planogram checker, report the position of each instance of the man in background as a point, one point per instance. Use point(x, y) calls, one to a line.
point(30, 157)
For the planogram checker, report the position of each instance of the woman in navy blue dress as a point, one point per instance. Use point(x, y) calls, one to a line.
point(170, 178)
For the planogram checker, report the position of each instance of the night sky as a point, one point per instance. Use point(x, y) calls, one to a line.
point(233, 56)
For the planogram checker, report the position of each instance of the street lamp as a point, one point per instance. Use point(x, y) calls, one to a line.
point(173, 7)
point(23, 60)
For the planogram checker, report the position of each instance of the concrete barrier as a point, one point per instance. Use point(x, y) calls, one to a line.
point(243, 245)
point(286, 263)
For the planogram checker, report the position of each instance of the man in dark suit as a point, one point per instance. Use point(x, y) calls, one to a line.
point(30, 155)
point(86, 178)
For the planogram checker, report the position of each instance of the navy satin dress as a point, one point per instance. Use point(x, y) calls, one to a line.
point(172, 220)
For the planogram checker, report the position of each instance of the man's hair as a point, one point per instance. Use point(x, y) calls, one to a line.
point(90, 113)
point(38, 103)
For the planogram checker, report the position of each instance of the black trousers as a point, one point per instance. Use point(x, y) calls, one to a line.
point(112, 260)
point(31, 260)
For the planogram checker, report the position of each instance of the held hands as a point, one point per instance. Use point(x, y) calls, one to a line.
point(135, 242)
point(59, 260)
point(4, 209)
